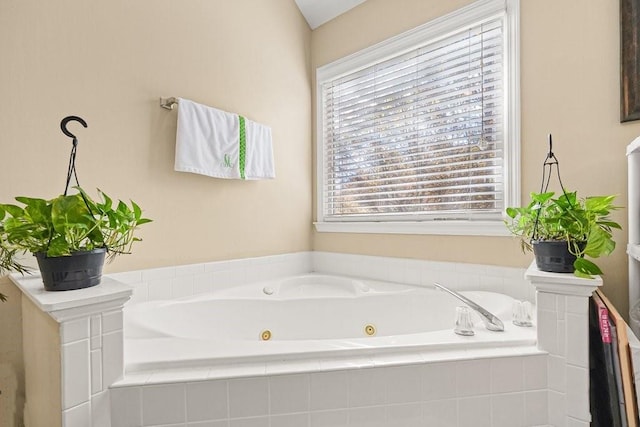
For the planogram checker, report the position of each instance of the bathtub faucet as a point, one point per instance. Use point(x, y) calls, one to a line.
point(491, 322)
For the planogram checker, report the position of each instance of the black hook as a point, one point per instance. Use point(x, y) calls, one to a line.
point(63, 125)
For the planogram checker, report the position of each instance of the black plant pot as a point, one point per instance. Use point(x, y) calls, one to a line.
point(553, 256)
point(76, 271)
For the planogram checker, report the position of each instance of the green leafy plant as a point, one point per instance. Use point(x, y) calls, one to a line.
point(583, 223)
point(64, 225)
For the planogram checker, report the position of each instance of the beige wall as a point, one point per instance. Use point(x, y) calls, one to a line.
point(109, 62)
point(569, 87)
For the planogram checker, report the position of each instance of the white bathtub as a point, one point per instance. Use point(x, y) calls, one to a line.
point(311, 321)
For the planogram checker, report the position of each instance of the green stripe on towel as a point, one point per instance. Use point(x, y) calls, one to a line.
point(243, 146)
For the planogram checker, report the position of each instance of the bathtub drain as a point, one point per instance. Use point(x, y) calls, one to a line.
point(370, 330)
point(265, 335)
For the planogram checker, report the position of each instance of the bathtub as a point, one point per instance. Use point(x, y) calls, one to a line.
point(311, 323)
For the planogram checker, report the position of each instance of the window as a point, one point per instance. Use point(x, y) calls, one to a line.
point(420, 133)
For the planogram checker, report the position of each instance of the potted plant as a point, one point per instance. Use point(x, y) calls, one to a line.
point(70, 236)
point(563, 230)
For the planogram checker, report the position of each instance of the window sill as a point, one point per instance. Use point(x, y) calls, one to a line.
point(452, 228)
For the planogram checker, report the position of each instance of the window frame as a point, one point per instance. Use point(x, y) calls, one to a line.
point(432, 31)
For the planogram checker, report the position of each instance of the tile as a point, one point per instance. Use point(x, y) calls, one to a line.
point(492, 284)
point(181, 287)
point(474, 412)
point(440, 413)
point(403, 384)
point(126, 406)
point(578, 340)
point(577, 394)
point(409, 415)
point(449, 279)
point(248, 397)
point(78, 416)
point(412, 272)
point(101, 410)
point(76, 373)
point(290, 420)
point(289, 393)
point(557, 409)
point(338, 418)
point(396, 270)
point(536, 408)
point(507, 410)
point(561, 336)
point(438, 381)
point(202, 283)
point(366, 387)
point(428, 275)
point(112, 358)
point(556, 373)
point(535, 372)
point(468, 281)
point(74, 330)
point(159, 289)
point(547, 331)
point(329, 390)
point(507, 374)
point(162, 273)
point(228, 278)
point(473, 377)
point(112, 321)
point(163, 404)
point(546, 301)
point(577, 305)
point(96, 325)
point(189, 270)
point(96, 371)
point(207, 400)
point(561, 306)
point(374, 416)
point(467, 268)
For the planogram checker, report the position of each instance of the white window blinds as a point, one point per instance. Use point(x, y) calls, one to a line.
point(419, 135)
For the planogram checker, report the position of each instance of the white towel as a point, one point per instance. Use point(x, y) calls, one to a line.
point(209, 142)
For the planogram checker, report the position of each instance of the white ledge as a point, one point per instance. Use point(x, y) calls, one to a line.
point(561, 283)
point(65, 305)
point(445, 227)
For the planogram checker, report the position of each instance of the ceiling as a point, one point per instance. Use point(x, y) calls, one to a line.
point(317, 12)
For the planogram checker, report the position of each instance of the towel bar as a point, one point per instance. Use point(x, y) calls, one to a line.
point(168, 103)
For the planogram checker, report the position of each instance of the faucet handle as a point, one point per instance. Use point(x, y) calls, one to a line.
point(464, 325)
point(521, 313)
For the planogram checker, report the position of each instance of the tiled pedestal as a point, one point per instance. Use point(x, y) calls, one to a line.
point(563, 331)
point(85, 357)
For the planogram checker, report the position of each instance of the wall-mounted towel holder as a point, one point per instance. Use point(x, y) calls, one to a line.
point(168, 103)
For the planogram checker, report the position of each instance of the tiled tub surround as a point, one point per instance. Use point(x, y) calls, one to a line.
point(180, 281)
point(491, 387)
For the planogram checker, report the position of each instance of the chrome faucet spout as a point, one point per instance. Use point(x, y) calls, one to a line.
point(491, 322)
